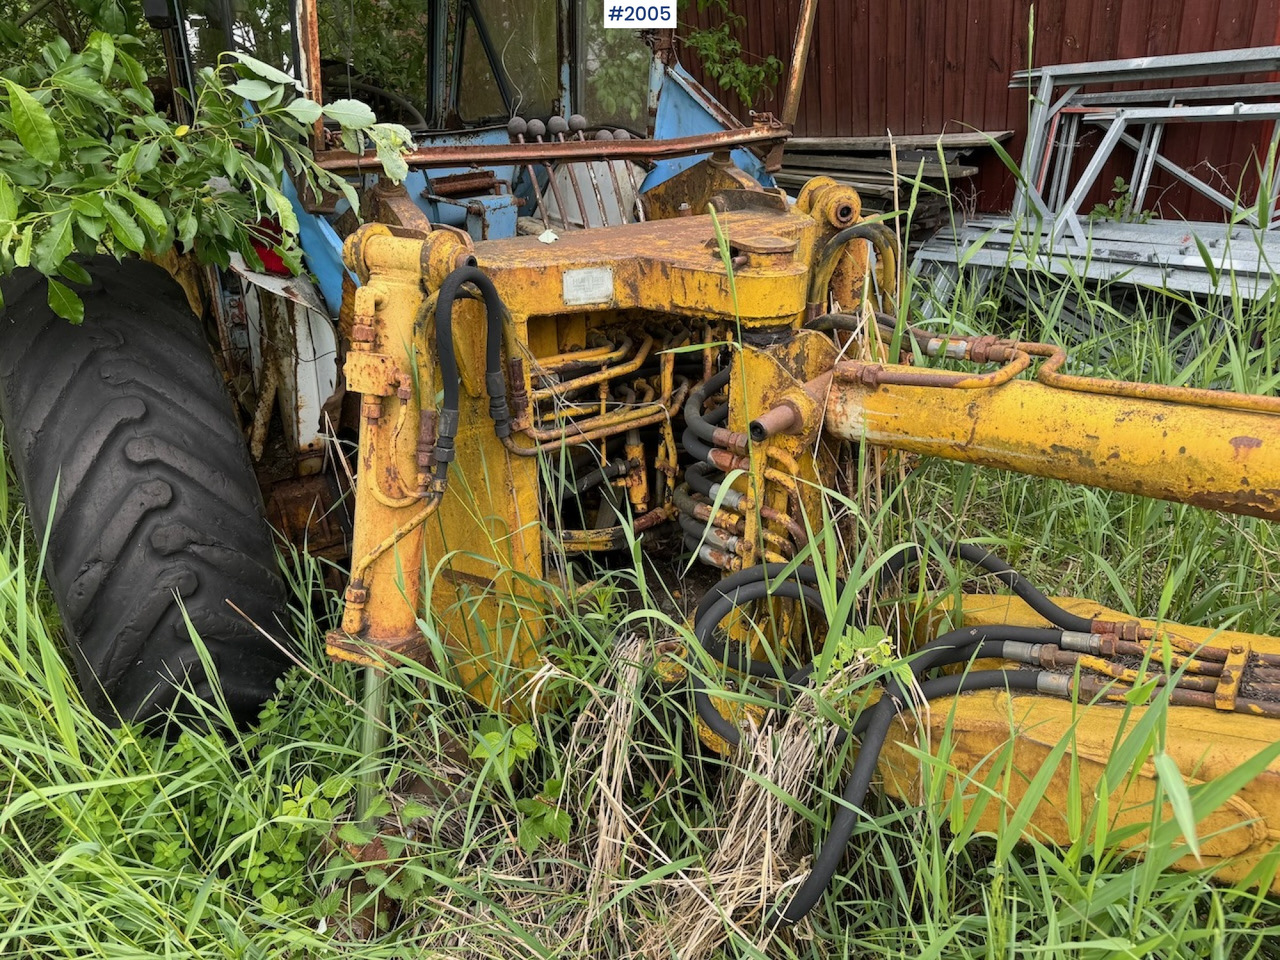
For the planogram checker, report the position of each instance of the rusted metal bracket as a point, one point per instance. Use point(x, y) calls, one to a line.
point(763, 133)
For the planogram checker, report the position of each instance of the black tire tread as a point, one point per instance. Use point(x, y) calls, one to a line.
point(128, 416)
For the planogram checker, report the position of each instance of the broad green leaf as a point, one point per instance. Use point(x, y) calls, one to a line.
point(393, 164)
point(304, 110)
point(106, 47)
point(22, 255)
point(64, 302)
point(232, 161)
point(135, 75)
point(56, 52)
point(76, 273)
point(92, 226)
point(124, 227)
point(148, 157)
point(253, 90)
point(110, 16)
point(11, 35)
point(352, 833)
point(413, 810)
point(186, 228)
point(87, 204)
point(56, 243)
point(266, 71)
point(283, 209)
point(8, 200)
point(88, 89)
point(148, 211)
point(350, 114)
point(34, 128)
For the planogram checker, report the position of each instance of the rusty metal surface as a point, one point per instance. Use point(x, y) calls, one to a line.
point(487, 154)
point(1211, 741)
point(309, 514)
point(1218, 458)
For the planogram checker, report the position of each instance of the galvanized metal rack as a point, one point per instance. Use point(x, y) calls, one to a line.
point(1049, 230)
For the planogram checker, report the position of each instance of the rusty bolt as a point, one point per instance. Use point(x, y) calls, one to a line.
point(362, 333)
point(356, 594)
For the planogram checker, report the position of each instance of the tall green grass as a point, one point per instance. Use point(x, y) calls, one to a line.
point(601, 827)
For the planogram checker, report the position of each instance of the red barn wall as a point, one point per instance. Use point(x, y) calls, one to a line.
point(925, 66)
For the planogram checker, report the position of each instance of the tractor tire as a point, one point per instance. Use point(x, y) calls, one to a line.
point(127, 418)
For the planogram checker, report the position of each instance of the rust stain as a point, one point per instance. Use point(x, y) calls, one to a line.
point(1243, 446)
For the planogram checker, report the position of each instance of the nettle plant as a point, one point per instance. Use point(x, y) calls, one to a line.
point(89, 163)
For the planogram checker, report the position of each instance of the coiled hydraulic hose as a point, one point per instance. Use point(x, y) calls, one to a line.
point(872, 724)
point(979, 556)
point(880, 718)
point(704, 427)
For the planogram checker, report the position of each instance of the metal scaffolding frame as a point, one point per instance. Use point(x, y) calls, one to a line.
point(1048, 230)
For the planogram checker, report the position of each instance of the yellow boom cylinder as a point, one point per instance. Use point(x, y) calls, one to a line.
point(1217, 458)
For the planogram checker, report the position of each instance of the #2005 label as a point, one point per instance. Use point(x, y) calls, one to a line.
point(640, 16)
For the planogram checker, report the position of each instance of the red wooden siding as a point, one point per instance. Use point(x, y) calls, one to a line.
point(924, 66)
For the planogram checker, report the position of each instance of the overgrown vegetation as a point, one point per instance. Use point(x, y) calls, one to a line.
point(90, 161)
point(724, 58)
point(602, 827)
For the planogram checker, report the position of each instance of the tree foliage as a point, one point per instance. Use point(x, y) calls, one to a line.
point(89, 162)
point(726, 61)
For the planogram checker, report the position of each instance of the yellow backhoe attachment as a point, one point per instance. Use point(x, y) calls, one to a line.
point(687, 384)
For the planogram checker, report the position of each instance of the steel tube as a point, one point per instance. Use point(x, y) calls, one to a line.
point(339, 161)
point(1220, 459)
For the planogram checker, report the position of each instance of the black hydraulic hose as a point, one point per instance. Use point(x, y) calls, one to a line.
point(696, 476)
point(855, 791)
point(698, 445)
point(704, 427)
point(495, 380)
point(872, 725)
point(979, 556)
point(882, 241)
point(694, 445)
point(610, 471)
point(758, 572)
point(957, 646)
point(758, 590)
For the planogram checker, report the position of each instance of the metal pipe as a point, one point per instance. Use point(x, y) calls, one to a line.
point(1225, 459)
point(491, 154)
point(631, 174)
point(613, 176)
point(600, 376)
point(795, 77)
point(516, 129)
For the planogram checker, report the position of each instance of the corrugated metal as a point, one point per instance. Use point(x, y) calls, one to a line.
point(923, 66)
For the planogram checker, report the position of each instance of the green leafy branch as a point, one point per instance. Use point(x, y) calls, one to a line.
point(89, 164)
point(723, 57)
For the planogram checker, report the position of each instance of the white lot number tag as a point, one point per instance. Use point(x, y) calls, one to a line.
point(588, 285)
point(642, 15)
